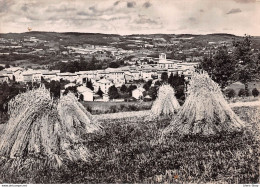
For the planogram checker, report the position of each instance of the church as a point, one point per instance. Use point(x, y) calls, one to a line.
point(167, 64)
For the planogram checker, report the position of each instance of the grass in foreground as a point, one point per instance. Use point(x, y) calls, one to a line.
point(129, 152)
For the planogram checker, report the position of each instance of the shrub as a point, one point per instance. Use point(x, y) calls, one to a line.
point(113, 109)
point(255, 92)
point(81, 97)
point(133, 107)
point(122, 107)
point(123, 88)
point(89, 109)
point(230, 93)
point(113, 92)
point(242, 92)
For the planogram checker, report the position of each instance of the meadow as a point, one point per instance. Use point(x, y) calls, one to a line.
point(114, 107)
point(130, 150)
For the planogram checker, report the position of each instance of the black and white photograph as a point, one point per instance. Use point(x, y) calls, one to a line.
point(130, 92)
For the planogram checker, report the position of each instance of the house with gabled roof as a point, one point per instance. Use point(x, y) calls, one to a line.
point(104, 84)
point(4, 77)
point(138, 93)
point(85, 93)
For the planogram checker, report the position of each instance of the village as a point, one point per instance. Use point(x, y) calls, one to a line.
point(102, 79)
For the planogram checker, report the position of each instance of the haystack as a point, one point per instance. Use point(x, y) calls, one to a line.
point(205, 110)
point(166, 103)
point(44, 128)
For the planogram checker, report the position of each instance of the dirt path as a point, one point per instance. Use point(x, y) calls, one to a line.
point(239, 104)
point(120, 115)
point(143, 113)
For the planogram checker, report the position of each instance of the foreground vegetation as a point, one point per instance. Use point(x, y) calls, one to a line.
point(129, 152)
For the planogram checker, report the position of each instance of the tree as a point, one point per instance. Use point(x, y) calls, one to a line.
point(180, 92)
point(171, 79)
point(123, 88)
point(81, 97)
point(62, 83)
point(72, 89)
point(242, 92)
point(131, 88)
point(220, 67)
point(114, 64)
point(7, 66)
point(7, 92)
point(157, 83)
point(92, 65)
point(54, 87)
point(89, 85)
point(99, 92)
point(1, 68)
point(247, 66)
point(230, 93)
point(177, 80)
point(147, 85)
point(255, 92)
point(153, 92)
point(113, 92)
point(178, 83)
point(164, 76)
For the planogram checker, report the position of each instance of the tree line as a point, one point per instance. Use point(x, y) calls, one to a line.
point(85, 65)
point(243, 64)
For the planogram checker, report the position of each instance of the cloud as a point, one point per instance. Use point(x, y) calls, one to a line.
point(192, 19)
point(5, 4)
point(245, 1)
point(60, 9)
point(234, 11)
point(227, 29)
point(131, 4)
point(119, 18)
point(93, 8)
point(123, 16)
point(147, 4)
point(83, 13)
point(24, 7)
point(116, 3)
point(33, 18)
point(145, 21)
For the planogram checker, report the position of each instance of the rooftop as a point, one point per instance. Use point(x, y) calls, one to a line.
point(83, 89)
point(104, 81)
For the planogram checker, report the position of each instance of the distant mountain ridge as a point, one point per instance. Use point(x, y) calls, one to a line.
point(37, 33)
point(66, 38)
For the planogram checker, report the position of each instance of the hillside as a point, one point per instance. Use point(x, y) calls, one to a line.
point(107, 39)
point(66, 38)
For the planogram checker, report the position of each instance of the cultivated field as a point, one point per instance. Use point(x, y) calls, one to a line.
point(114, 107)
point(129, 151)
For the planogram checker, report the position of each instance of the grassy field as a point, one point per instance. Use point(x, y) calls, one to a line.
point(244, 99)
point(129, 152)
point(113, 107)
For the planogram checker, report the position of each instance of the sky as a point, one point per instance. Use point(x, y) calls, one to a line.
point(123, 17)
